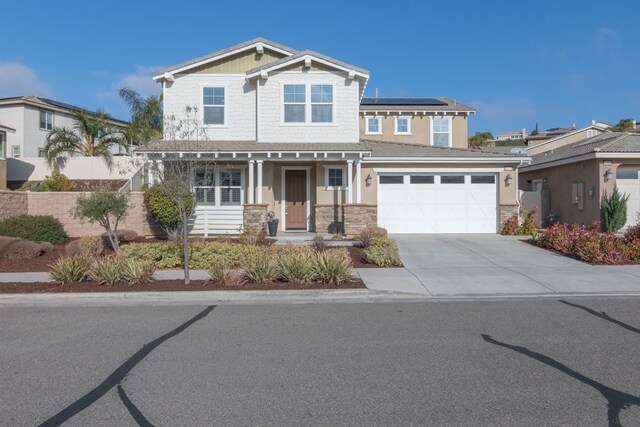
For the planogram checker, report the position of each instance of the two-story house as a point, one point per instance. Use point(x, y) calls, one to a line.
point(287, 131)
point(25, 122)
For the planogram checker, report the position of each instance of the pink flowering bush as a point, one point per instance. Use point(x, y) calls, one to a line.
point(587, 244)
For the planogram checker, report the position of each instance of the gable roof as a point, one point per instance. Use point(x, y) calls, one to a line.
point(51, 104)
point(249, 44)
point(609, 142)
point(568, 134)
point(301, 56)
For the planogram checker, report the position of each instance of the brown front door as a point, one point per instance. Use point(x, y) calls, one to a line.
point(295, 194)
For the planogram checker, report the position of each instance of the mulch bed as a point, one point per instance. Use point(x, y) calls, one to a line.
point(164, 285)
point(41, 264)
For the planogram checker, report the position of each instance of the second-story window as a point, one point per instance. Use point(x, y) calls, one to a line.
point(213, 105)
point(374, 125)
point(441, 131)
point(403, 125)
point(321, 103)
point(46, 120)
point(307, 103)
point(294, 104)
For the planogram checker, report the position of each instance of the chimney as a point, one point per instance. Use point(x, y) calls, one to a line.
point(376, 94)
point(593, 122)
point(524, 133)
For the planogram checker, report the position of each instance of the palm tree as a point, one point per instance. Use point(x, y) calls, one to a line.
point(146, 115)
point(91, 136)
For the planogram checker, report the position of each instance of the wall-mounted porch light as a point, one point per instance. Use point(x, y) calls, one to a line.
point(607, 175)
point(368, 180)
point(508, 180)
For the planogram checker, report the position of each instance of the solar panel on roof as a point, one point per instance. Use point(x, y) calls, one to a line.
point(401, 101)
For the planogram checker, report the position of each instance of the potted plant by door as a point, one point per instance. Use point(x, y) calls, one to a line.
point(272, 223)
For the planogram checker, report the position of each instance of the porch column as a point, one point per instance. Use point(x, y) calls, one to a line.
point(150, 172)
point(159, 170)
point(349, 181)
point(358, 181)
point(259, 190)
point(250, 186)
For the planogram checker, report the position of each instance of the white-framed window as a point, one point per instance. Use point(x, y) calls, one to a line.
point(230, 183)
point(591, 133)
point(15, 151)
point(373, 125)
point(42, 152)
point(46, 119)
point(307, 104)
point(294, 103)
point(441, 131)
point(335, 177)
point(322, 103)
point(403, 125)
point(213, 103)
point(218, 187)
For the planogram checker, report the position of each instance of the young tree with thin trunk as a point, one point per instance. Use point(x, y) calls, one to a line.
point(175, 173)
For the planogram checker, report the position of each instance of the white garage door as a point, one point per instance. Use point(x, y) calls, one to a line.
point(629, 184)
point(433, 203)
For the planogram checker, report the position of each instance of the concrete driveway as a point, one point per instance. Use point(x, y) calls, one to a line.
point(468, 264)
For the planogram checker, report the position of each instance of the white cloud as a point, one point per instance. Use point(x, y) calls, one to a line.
point(140, 81)
point(17, 79)
point(506, 109)
point(606, 40)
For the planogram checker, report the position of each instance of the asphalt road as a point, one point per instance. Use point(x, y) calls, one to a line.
point(505, 363)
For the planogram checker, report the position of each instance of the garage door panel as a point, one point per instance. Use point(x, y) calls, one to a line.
point(429, 206)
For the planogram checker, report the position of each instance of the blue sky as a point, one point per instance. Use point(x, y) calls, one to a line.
point(551, 62)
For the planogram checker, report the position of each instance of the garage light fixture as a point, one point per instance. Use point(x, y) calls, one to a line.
point(508, 180)
point(607, 175)
point(368, 180)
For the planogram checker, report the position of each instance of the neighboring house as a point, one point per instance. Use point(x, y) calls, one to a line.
point(540, 146)
point(546, 134)
point(512, 135)
point(440, 122)
point(578, 175)
point(283, 132)
point(25, 123)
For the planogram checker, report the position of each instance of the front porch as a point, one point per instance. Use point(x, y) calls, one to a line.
point(308, 192)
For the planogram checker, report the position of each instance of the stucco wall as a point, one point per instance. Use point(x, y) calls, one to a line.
point(559, 181)
point(37, 169)
point(420, 130)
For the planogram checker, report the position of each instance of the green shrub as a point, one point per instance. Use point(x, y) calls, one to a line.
point(333, 267)
point(296, 264)
point(614, 211)
point(57, 181)
point(70, 269)
point(34, 227)
point(263, 269)
point(164, 255)
point(222, 274)
point(384, 252)
point(107, 271)
point(319, 243)
point(91, 245)
point(164, 209)
point(137, 272)
point(370, 232)
point(251, 235)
